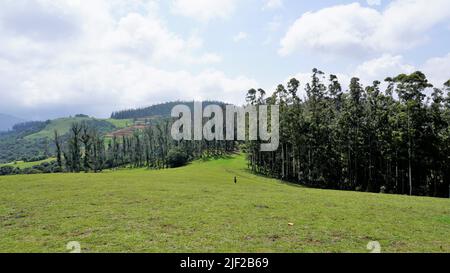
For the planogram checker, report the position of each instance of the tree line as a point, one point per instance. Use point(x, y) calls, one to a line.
point(161, 110)
point(85, 150)
point(394, 141)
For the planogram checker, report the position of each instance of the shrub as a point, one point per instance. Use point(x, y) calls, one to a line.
point(177, 157)
point(9, 170)
point(31, 171)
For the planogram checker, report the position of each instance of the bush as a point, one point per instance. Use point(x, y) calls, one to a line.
point(31, 171)
point(9, 170)
point(177, 157)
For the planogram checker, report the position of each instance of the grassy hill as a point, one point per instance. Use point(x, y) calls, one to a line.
point(62, 125)
point(198, 208)
point(158, 110)
point(29, 140)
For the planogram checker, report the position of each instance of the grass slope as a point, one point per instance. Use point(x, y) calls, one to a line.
point(198, 208)
point(24, 165)
point(62, 125)
point(120, 123)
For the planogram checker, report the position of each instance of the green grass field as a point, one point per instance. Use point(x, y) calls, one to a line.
point(24, 165)
point(120, 123)
point(198, 208)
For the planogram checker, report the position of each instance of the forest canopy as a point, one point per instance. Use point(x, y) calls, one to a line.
point(161, 110)
point(395, 140)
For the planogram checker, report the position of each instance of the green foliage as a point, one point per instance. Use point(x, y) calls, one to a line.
point(63, 126)
point(162, 110)
point(24, 165)
point(362, 139)
point(13, 146)
point(9, 170)
point(31, 141)
point(120, 123)
point(151, 146)
point(43, 166)
point(177, 157)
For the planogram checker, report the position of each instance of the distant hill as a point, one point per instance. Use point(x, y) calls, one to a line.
point(33, 141)
point(7, 122)
point(162, 110)
point(62, 125)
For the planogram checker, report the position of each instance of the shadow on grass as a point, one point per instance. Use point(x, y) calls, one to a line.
point(216, 157)
point(288, 183)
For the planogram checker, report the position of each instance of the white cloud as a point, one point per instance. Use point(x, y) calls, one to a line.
point(339, 29)
point(381, 68)
point(374, 2)
point(355, 30)
point(204, 10)
point(273, 4)
point(103, 83)
point(240, 36)
point(438, 69)
point(147, 37)
point(95, 28)
point(103, 61)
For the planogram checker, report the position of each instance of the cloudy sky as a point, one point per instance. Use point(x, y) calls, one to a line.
point(63, 57)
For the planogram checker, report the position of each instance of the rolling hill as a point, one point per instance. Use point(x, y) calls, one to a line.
point(157, 110)
point(199, 208)
point(62, 125)
point(32, 141)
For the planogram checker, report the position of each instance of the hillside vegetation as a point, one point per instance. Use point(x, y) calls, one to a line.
point(24, 165)
point(199, 208)
point(160, 110)
point(34, 141)
point(389, 137)
point(62, 125)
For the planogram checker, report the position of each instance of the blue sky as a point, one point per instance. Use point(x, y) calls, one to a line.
point(65, 57)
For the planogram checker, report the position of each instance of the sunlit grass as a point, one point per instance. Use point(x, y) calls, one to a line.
point(199, 208)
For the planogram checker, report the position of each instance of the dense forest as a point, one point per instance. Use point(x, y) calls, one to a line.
point(161, 110)
point(365, 139)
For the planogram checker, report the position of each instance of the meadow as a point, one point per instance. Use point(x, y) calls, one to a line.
point(199, 208)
